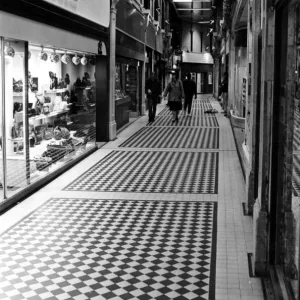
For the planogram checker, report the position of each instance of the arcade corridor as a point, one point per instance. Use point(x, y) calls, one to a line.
point(155, 214)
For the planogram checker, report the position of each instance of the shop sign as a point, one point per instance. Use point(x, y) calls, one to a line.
point(94, 10)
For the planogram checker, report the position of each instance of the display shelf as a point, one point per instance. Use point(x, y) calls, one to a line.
point(83, 87)
point(52, 114)
point(18, 94)
point(55, 91)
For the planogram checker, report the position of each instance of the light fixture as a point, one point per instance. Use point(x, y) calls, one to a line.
point(66, 59)
point(76, 60)
point(9, 51)
point(189, 1)
point(54, 57)
point(197, 9)
point(84, 60)
point(43, 55)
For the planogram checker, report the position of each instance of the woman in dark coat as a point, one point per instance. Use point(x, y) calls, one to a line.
point(175, 93)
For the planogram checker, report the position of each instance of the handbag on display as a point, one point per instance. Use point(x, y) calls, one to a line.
point(78, 82)
point(57, 103)
point(38, 106)
point(32, 140)
point(14, 133)
point(65, 133)
point(46, 109)
point(63, 105)
point(39, 133)
point(57, 133)
point(47, 99)
point(48, 133)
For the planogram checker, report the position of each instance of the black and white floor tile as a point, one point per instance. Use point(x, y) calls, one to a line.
point(185, 121)
point(296, 174)
point(174, 137)
point(195, 112)
point(77, 249)
point(152, 172)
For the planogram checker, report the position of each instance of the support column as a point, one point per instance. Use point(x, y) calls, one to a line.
point(261, 216)
point(112, 70)
point(231, 80)
point(143, 100)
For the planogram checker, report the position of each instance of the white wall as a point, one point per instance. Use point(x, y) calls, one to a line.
point(15, 27)
point(94, 10)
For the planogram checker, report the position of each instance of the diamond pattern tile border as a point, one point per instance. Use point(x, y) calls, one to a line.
point(152, 172)
point(174, 137)
point(109, 249)
point(186, 121)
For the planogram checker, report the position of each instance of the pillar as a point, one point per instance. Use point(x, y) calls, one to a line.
point(261, 218)
point(231, 80)
point(112, 70)
point(143, 100)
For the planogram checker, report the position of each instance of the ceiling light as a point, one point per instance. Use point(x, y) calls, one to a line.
point(76, 60)
point(66, 58)
point(84, 60)
point(198, 9)
point(43, 55)
point(54, 57)
point(189, 1)
point(9, 51)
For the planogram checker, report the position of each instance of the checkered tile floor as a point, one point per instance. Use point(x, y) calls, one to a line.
point(195, 112)
point(296, 140)
point(174, 137)
point(152, 172)
point(186, 121)
point(77, 249)
point(296, 175)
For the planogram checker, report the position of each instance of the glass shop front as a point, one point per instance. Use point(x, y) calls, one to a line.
point(47, 111)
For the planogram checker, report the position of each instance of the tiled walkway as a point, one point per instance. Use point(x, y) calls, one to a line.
point(155, 214)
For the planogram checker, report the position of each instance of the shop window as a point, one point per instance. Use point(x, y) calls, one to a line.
point(50, 110)
point(63, 105)
point(126, 84)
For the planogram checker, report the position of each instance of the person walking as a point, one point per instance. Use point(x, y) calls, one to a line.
point(190, 89)
point(224, 86)
point(153, 90)
point(175, 93)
